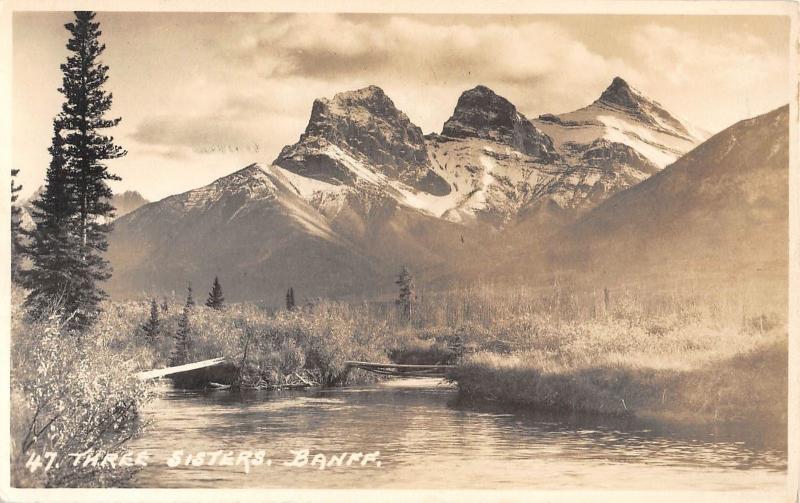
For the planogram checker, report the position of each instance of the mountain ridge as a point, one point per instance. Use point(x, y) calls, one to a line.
point(301, 222)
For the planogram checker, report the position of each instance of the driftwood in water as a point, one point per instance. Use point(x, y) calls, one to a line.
point(403, 370)
point(271, 380)
point(153, 374)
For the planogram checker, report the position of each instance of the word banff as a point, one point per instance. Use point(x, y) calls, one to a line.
point(246, 459)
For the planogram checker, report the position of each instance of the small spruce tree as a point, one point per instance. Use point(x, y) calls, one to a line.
point(290, 304)
point(152, 326)
point(405, 300)
point(215, 298)
point(180, 352)
point(16, 239)
point(189, 296)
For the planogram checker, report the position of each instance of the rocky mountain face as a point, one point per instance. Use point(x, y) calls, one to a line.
point(502, 167)
point(363, 192)
point(482, 114)
point(489, 165)
point(628, 119)
point(361, 127)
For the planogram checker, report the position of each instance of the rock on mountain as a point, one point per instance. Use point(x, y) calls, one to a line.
point(127, 201)
point(720, 209)
point(480, 113)
point(358, 135)
point(488, 165)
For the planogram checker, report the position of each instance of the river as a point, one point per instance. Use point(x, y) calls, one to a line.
point(426, 440)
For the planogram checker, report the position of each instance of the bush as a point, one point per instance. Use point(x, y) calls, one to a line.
point(70, 394)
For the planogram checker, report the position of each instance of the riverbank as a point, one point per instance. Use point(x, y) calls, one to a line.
point(743, 380)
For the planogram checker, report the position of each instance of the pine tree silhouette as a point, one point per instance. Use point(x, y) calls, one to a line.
point(180, 352)
point(215, 298)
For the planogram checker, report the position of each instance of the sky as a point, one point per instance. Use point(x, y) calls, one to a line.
point(203, 95)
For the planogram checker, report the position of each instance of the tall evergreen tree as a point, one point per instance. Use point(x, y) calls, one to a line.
point(16, 238)
point(71, 278)
point(405, 300)
point(152, 326)
point(215, 298)
point(53, 247)
point(290, 305)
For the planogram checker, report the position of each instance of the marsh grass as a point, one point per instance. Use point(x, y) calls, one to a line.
point(691, 359)
point(617, 351)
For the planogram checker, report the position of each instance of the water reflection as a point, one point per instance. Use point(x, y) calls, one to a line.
point(427, 439)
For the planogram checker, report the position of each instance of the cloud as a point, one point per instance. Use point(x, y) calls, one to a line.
point(722, 80)
point(263, 72)
point(192, 86)
point(539, 65)
point(193, 132)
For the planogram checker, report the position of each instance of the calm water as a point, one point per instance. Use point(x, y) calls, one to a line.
point(426, 441)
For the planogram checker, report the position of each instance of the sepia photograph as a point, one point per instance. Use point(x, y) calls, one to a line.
point(400, 252)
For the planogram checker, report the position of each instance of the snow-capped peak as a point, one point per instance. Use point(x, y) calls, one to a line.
point(620, 96)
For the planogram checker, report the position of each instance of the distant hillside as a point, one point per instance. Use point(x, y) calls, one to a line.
point(124, 203)
point(722, 210)
point(128, 201)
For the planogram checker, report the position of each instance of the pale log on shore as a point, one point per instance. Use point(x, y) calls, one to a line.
point(152, 374)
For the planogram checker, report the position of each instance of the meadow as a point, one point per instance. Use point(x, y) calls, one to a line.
point(672, 355)
point(715, 355)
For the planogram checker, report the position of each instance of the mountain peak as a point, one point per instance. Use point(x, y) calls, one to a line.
point(621, 94)
point(371, 98)
point(482, 113)
point(350, 117)
point(364, 127)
